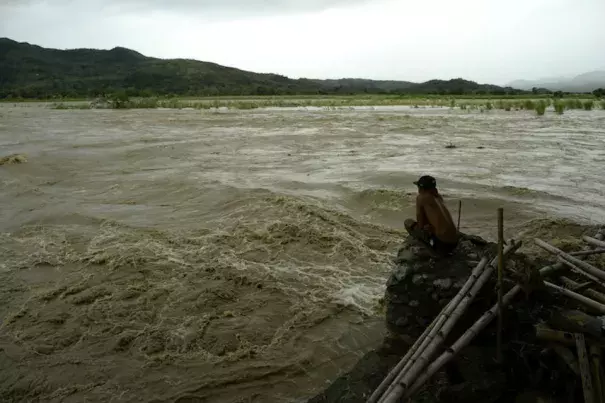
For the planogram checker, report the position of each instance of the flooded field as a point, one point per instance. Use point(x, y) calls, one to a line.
point(235, 256)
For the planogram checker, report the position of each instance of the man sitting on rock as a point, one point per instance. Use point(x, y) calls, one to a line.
point(434, 225)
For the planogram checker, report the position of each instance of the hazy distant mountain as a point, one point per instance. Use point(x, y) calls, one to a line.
point(29, 71)
point(586, 82)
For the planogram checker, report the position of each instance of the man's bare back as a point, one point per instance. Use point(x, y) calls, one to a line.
point(434, 224)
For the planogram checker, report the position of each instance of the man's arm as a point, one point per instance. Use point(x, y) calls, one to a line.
point(420, 215)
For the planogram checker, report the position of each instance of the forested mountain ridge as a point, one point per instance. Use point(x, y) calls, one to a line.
point(30, 71)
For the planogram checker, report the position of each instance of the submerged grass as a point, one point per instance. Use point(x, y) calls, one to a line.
point(559, 107)
point(588, 105)
point(478, 103)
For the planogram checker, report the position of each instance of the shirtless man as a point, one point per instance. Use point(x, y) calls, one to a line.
point(434, 225)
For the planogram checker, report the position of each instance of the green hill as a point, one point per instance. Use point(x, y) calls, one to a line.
point(30, 71)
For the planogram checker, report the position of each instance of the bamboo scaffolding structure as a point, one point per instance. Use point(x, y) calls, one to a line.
point(462, 342)
point(584, 368)
point(470, 334)
point(409, 373)
point(431, 329)
point(597, 306)
point(500, 289)
point(597, 373)
point(586, 267)
point(594, 242)
point(581, 288)
point(479, 325)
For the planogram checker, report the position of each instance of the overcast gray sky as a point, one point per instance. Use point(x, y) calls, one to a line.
point(485, 40)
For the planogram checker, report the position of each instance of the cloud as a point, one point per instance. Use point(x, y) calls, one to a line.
point(208, 8)
point(486, 41)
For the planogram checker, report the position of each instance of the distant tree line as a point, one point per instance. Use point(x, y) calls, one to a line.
point(28, 71)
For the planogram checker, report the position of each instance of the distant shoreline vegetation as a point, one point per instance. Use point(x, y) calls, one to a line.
point(481, 104)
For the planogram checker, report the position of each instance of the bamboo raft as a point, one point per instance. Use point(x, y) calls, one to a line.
point(577, 330)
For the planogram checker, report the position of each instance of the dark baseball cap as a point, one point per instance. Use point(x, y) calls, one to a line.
point(426, 182)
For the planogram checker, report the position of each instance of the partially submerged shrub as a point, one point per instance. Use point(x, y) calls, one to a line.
point(540, 108)
point(559, 107)
point(588, 105)
point(529, 105)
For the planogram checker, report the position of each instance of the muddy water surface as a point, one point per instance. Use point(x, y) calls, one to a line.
point(240, 255)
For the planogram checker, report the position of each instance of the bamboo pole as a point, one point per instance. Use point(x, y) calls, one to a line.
point(578, 297)
point(581, 264)
point(573, 286)
point(545, 333)
point(594, 242)
point(411, 371)
point(584, 368)
point(431, 329)
point(588, 252)
point(500, 290)
point(597, 372)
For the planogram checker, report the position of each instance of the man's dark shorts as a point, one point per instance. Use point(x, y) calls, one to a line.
point(431, 240)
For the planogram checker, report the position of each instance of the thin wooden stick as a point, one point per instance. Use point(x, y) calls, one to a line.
point(578, 297)
point(584, 368)
point(459, 213)
point(588, 252)
point(433, 328)
point(582, 265)
point(500, 290)
point(594, 242)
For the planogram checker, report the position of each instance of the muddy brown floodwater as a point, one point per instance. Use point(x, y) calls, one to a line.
point(231, 256)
